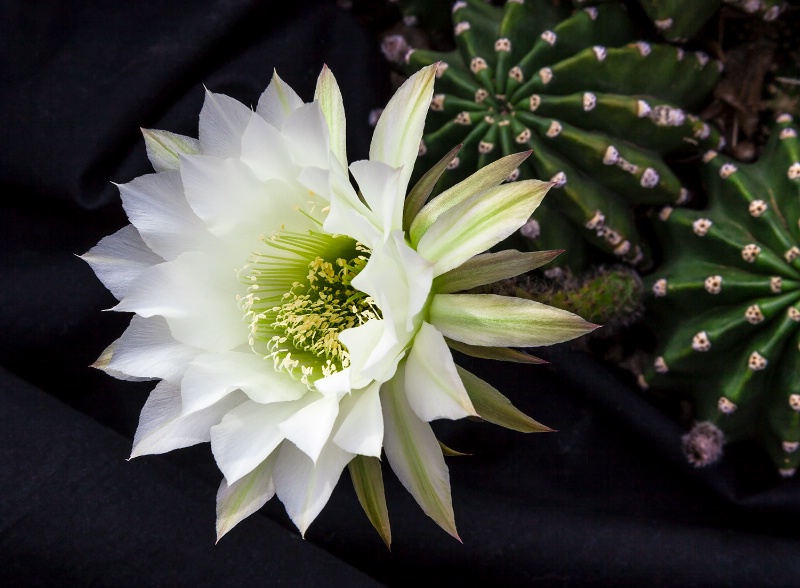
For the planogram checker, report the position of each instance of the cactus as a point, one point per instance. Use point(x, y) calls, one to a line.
point(598, 109)
point(679, 20)
point(725, 305)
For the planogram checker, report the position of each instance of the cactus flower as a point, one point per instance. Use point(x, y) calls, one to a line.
point(302, 326)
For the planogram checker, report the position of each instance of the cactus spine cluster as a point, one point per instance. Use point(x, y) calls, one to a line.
point(726, 303)
point(598, 108)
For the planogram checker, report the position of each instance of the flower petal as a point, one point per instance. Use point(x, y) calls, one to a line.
point(306, 134)
point(379, 184)
point(415, 455)
point(491, 267)
point(277, 101)
point(483, 179)
point(147, 349)
point(373, 349)
point(212, 376)
point(244, 497)
point(264, 150)
point(222, 122)
point(433, 387)
point(310, 427)
point(419, 194)
point(157, 207)
point(472, 226)
point(206, 316)
point(491, 320)
point(361, 429)
point(495, 408)
point(248, 434)
point(365, 472)
point(305, 487)
point(119, 259)
point(164, 148)
point(330, 100)
point(233, 202)
point(399, 129)
point(162, 428)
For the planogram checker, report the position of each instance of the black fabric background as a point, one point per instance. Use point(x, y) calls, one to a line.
point(606, 501)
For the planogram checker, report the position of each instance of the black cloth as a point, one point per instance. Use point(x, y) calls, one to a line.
point(607, 500)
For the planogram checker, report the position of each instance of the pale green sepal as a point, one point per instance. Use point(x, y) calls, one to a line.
point(164, 148)
point(491, 320)
point(495, 408)
point(368, 483)
point(491, 267)
point(450, 452)
point(422, 189)
point(473, 226)
point(330, 100)
point(399, 129)
point(485, 178)
point(496, 353)
point(415, 456)
point(245, 496)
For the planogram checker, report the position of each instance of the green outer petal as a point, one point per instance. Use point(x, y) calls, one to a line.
point(472, 226)
point(495, 353)
point(245, 496)
point(399, 130)
point(491, 320)
point(485, 178)
point(330, 100)
point(365, 472)
point(164, 148)
point(491, 267)
point(415, 455)
point(422, 189)
point(492, 406)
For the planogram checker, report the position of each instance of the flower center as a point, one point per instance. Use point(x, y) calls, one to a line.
point(300, 297)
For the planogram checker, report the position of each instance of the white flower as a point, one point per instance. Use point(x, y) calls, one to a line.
point(301, 326)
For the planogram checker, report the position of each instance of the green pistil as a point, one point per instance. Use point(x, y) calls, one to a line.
point(301, 299)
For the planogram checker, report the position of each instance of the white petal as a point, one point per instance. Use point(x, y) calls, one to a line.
point(196, 293)
point(306, 134)
point(361, 429)
point(265, 151)
point(244, 497)
point(399, 129)
point(310, 427)
point(232, 201)
point(119, 259)
point(433, 387)
point(305, 487)
point(347, 215)
point(379, 184)
point(211, 376)
point(147, 349)
point(330, 100)
point(157, 207)
point(248, 434)
point(415, 455)
point(162, 428)
point(164, 148)
point(374, 351)
point(277, 101)
point(222, 123)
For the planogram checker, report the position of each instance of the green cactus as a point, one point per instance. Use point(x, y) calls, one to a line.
point(725, 305)
point(598, 109)
point(679, 20)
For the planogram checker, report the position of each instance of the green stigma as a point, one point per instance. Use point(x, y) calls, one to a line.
point(300, 297)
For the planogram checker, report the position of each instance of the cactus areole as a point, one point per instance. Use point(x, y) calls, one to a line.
point(598, 107)
point(726, 303)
